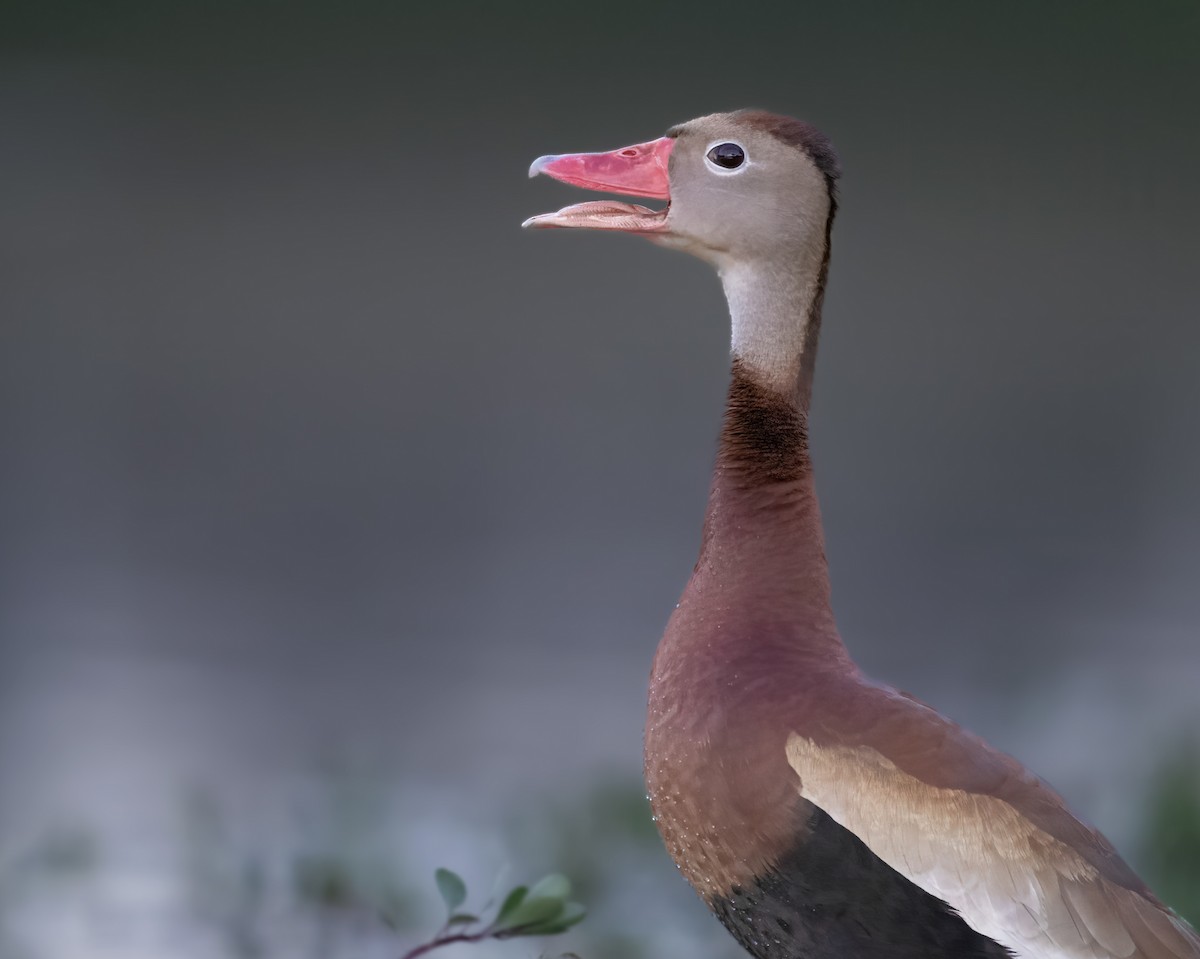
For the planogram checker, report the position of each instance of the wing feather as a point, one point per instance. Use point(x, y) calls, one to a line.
point(969, 825)
point(1159, 934)
point(1091, 903)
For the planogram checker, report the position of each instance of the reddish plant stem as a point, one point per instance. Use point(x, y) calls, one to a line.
point(438, 941)
point(441, 939)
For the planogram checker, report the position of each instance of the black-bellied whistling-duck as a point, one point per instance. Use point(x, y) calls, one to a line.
point(819, 814)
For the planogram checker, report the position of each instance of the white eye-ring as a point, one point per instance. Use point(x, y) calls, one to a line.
point(726, 156)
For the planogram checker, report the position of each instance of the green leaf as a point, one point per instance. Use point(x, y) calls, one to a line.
point(533, 912)
point(572, 914)
point(550, 929)
point(452, 888)
point(553, 886)
point(461, 919)
point(543, 903)
point(511, 901)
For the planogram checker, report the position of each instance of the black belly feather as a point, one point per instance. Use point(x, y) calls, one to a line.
point(830, 897)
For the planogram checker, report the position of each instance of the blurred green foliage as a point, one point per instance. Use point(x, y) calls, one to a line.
point(343, 884)
point(62, 857)
point(583, 835)
point(1171, 843)
point(543, 909)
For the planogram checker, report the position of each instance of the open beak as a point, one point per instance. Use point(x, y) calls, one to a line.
point(639, 170)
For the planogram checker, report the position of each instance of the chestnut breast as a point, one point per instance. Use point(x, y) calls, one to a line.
point(724, 699)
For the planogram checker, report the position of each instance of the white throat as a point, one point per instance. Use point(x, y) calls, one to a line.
point(773, 311)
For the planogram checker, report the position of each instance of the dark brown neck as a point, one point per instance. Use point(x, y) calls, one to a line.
point(764, 436)
point(763, 552)
point(762, 533)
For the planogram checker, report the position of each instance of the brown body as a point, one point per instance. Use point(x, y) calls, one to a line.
point(754, 703)
point(721, 708)
point(819, 814)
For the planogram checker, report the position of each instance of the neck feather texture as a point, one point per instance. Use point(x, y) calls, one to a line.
point(775, 311)
point(763, 545)
point(762, 535)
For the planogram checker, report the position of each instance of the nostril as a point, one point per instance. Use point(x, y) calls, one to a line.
point(629, 153)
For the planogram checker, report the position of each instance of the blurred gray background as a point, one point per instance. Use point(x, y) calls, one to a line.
point(316, 470)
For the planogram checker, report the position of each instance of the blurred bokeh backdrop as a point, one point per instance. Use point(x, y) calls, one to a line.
point(339, 519)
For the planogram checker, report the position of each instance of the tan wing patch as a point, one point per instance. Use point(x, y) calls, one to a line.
point(1008, 879)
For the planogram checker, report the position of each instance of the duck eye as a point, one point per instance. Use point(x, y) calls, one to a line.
point(727, 155)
